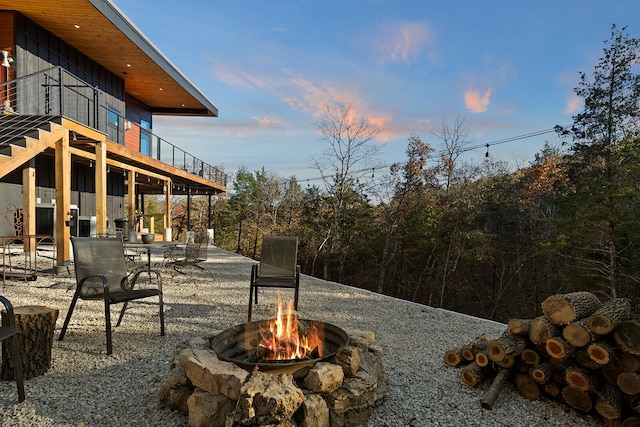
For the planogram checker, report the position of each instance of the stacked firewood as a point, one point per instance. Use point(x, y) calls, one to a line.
point(581, 351)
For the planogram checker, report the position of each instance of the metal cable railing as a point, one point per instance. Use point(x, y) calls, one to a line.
point(56, 92)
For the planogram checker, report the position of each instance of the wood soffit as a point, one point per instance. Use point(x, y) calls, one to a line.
point(111, 39)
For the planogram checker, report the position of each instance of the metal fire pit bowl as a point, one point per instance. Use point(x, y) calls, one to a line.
point(230, 345)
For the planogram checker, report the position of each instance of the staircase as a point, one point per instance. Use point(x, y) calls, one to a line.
point(22, 137)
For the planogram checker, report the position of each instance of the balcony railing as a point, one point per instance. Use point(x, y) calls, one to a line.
point(56, 92)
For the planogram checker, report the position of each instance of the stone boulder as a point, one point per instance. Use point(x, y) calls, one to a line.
point(268, 399)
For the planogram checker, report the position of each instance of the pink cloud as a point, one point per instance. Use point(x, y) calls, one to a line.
point(574, 104)
point(401, 42)
point(476, 102)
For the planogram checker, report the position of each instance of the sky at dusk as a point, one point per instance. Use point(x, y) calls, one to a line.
point(507, 68)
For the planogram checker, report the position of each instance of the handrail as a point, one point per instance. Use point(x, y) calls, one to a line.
point(57, 92)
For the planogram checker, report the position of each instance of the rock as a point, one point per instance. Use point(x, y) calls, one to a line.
point(313, 412)
point(209, 373)
point(367, 335)
point(176, 389)
point(208, 410)
point(268, 399)
point(350, 359)
point(353, 403)
point(324, 377)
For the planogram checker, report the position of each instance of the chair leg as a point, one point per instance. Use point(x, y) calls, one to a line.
point(107, 315)
point(250, 302)
point(17, 366)
point(124, 307)
point(68, 318)
point(161, 303)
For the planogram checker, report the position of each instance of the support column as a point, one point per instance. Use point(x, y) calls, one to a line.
point(101, 185)
point(167, 201)
point(29, 204)
point(63, 200)
point(131, 202)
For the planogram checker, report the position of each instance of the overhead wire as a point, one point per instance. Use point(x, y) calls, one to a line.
point(464, 150)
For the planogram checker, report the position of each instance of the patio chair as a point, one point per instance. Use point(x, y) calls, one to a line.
point(8, 331)
point(195, 252)
point(101, 275)
point(278, 268)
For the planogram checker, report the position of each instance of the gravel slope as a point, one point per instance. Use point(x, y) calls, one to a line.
point(86, 387)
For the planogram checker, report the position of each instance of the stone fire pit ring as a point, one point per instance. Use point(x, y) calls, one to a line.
point(230, 345)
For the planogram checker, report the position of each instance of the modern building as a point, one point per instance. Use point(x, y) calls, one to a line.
point(80, 86)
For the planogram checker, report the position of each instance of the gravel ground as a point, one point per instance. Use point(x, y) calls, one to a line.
point(86, 387)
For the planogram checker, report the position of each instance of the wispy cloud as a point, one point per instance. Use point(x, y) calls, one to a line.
point(477, 102)
point(401, 42)
point(574, 104)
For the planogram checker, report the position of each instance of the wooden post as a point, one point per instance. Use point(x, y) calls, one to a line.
point(37, 324)
point(63, 199)
point(101, 185)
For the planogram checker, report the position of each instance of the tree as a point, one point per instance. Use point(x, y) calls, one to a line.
point(350, 154)
point(604, 164)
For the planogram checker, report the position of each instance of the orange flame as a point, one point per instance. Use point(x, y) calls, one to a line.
point(285, 341)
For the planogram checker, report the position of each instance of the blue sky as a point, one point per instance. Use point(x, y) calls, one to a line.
point(508, 68)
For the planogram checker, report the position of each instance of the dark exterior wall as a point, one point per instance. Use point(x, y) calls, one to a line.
point(38, 50)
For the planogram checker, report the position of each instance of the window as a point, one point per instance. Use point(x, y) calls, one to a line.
point(113, 117)
point(145, 137)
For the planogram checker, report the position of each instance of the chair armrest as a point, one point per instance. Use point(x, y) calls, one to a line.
point(137, 274)
point(9, 308)
point(105, 284)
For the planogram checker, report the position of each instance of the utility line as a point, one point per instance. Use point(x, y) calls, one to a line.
point(466, 149)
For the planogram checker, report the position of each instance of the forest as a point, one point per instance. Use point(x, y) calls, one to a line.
point(478, 238)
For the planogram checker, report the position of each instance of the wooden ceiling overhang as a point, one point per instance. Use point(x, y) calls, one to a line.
point(101, 31)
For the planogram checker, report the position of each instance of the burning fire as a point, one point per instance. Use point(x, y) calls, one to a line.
point(286, 338)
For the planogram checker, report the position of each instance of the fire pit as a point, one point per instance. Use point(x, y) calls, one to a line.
point(241, 345)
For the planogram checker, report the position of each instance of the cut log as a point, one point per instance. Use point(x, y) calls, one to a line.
point(453, 357)
point(493, 392)
point(507, 362)
point(627, 336)
point(472, 374)
point(507, 345)
point(467, 352)
point(629, 382)
point(577, 398)
point(470, 349)
point(530, 356)
point(609, 402)
point(581, 378)
point(631, 421)
point(566, 308)
point(610, 373)
point(527, 386)
point(628, 362)
point(552, 389)
point(601, 352)
point(37, 324)
point(541, 373)
point(542, 329)
point(482, 359)
point(519, 326)
point(611, 314)
point(578, 333)
point(558, 347)
point(581, 357)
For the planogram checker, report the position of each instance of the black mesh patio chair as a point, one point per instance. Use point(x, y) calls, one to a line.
point(278, 268)
point(194, 253)
point(101, 275)
point(8, 331)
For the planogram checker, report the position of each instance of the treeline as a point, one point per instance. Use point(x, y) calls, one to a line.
point(476, 239)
